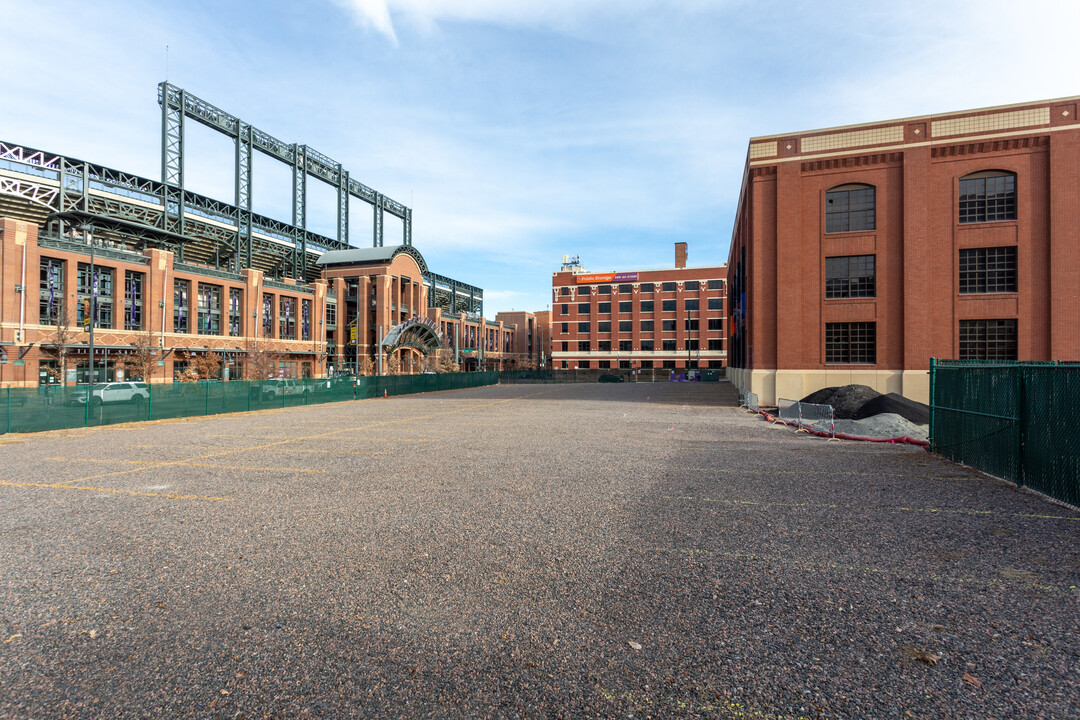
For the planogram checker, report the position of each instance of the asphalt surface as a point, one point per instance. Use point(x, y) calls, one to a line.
point(569, 551)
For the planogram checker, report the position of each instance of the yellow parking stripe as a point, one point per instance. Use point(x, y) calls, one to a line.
point(169, 496)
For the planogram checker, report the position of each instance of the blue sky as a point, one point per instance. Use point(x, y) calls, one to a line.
point(517, 130)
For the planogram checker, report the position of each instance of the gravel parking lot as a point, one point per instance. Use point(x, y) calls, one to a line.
point(568, 551)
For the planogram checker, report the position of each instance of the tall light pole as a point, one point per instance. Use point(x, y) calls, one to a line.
point(88, 233)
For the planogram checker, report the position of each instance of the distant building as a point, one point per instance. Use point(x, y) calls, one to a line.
point(669, 319)
point(532, 335)
point(860, 252)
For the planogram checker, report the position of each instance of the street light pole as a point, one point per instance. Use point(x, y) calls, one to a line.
point(88, 231)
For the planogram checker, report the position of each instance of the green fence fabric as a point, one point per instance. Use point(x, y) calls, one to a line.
point(512, 377)
point(1010, 420)
point(56, 408)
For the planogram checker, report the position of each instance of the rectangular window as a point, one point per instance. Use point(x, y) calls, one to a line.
point(667, 287)
point(647, 288)
point(583, 327)
point(604, 346)
point(564, 328)
point(626, 345)
point(854, 342)
point(669, 364)
point(134, 283)
point(691, 304)
point(305, 319)
point(716, 323)
point(236, 310)
point(209, 318)
point(716, 285)
point(564, 291)
point(565, 346)
point(646, 364)
point(668, 325)
point(626, 289)
point(693, 285)
point(99, 287)
point(181, 305)
point(626, 326)
point(604, 290)
point(603, 364)
point(624, 364)
point(603, 308)
point(716, 303)
point(716, 343)
point(716, 363)
point(988, 339)
point(268, 315)
point(691, 324)
point(853, 276)
point(583, 364)
point(647, 345)
point(51, 306)
point(287, 318)
point(583, 309)
point(583, 346)
point(626, 306)
point(669, 345)
point(691, 344)
point(647, 325)
point(565, 309)
point(604, 327)
point(668, 306)
point(565, 364)
point(331, 315)
point(647, 306)
point(988, 270)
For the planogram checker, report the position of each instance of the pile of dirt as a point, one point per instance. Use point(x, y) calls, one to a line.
point(856, 402)
point(910, 410)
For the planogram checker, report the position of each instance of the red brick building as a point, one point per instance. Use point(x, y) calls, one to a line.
point(860, 252)
point(532, 337)
point(666, 319)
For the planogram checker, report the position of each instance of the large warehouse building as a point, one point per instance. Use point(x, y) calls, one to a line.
point(860, 252)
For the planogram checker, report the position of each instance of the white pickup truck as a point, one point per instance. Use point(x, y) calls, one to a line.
point(278, 387)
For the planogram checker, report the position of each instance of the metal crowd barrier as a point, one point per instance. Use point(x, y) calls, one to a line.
point(807, 416)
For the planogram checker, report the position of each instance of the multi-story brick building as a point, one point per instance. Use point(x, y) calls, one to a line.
point(860, 252)
point(672, 319)
point(532, 337)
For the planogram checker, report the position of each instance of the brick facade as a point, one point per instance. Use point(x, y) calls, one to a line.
point(788, 331)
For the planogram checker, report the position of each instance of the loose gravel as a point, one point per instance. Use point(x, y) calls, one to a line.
point(570, 551)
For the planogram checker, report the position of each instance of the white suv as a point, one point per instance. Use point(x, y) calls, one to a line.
point(282, 386)
point(135, 393)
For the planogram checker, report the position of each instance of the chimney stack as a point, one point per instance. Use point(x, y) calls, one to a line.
point(680, 255)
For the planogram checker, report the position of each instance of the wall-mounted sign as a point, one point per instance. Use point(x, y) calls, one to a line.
point(606, 277)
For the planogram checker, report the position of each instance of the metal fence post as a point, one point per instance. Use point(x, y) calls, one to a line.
point(9, 410)
point(1020, 413)
point(933, 376)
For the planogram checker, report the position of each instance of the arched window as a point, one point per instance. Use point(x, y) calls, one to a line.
point(988, 196)
point(849, 208)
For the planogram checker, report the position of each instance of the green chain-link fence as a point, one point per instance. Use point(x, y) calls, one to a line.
point(1011, 420)
point(515, 377)
point(56, 408)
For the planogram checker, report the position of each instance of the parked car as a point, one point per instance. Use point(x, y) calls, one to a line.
point(135, 393)
point(278, 387)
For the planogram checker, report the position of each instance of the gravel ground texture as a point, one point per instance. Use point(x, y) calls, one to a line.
point(568, 551)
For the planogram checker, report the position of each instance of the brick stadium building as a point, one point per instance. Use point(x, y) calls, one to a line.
point(671, 319)
point(860, 252)
point(305, 329)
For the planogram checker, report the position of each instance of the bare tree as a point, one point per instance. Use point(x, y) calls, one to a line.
point(393, 365)
point(262, 363)
point(62, 339)
point(446, 361)
point(143, 362)
point(367, 366)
